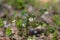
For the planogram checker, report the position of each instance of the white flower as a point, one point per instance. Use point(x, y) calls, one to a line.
point(31, 19)
point(23, 25)
point(5, 22)
point(14, 21)
point(46, 12)
point(39, 27)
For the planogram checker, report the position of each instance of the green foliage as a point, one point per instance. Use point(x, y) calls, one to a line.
point(54, 35)
point(10, 2)
point(24, 12)
point(25, 21)
point(34, 24)
point(8, 31)
point(1, 22)
point(31, 15)
point(19, 23)
point(56, 20)
point(31, 38)
point(42, 11)
point(19, 4)
point(51, 29)
point(35, 4)
point(43, 24)
point(56, 17)
point(31, 2)
point(15, 12)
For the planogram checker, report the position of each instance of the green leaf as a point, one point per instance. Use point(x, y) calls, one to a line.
point(56, 20)
point(1, 22)
point(19, 23)
point(19, 4)
point(42, 11)
point(51, 29)
point(8, 31)
point(56, 16)
point(54, 35)
point(24, 12)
